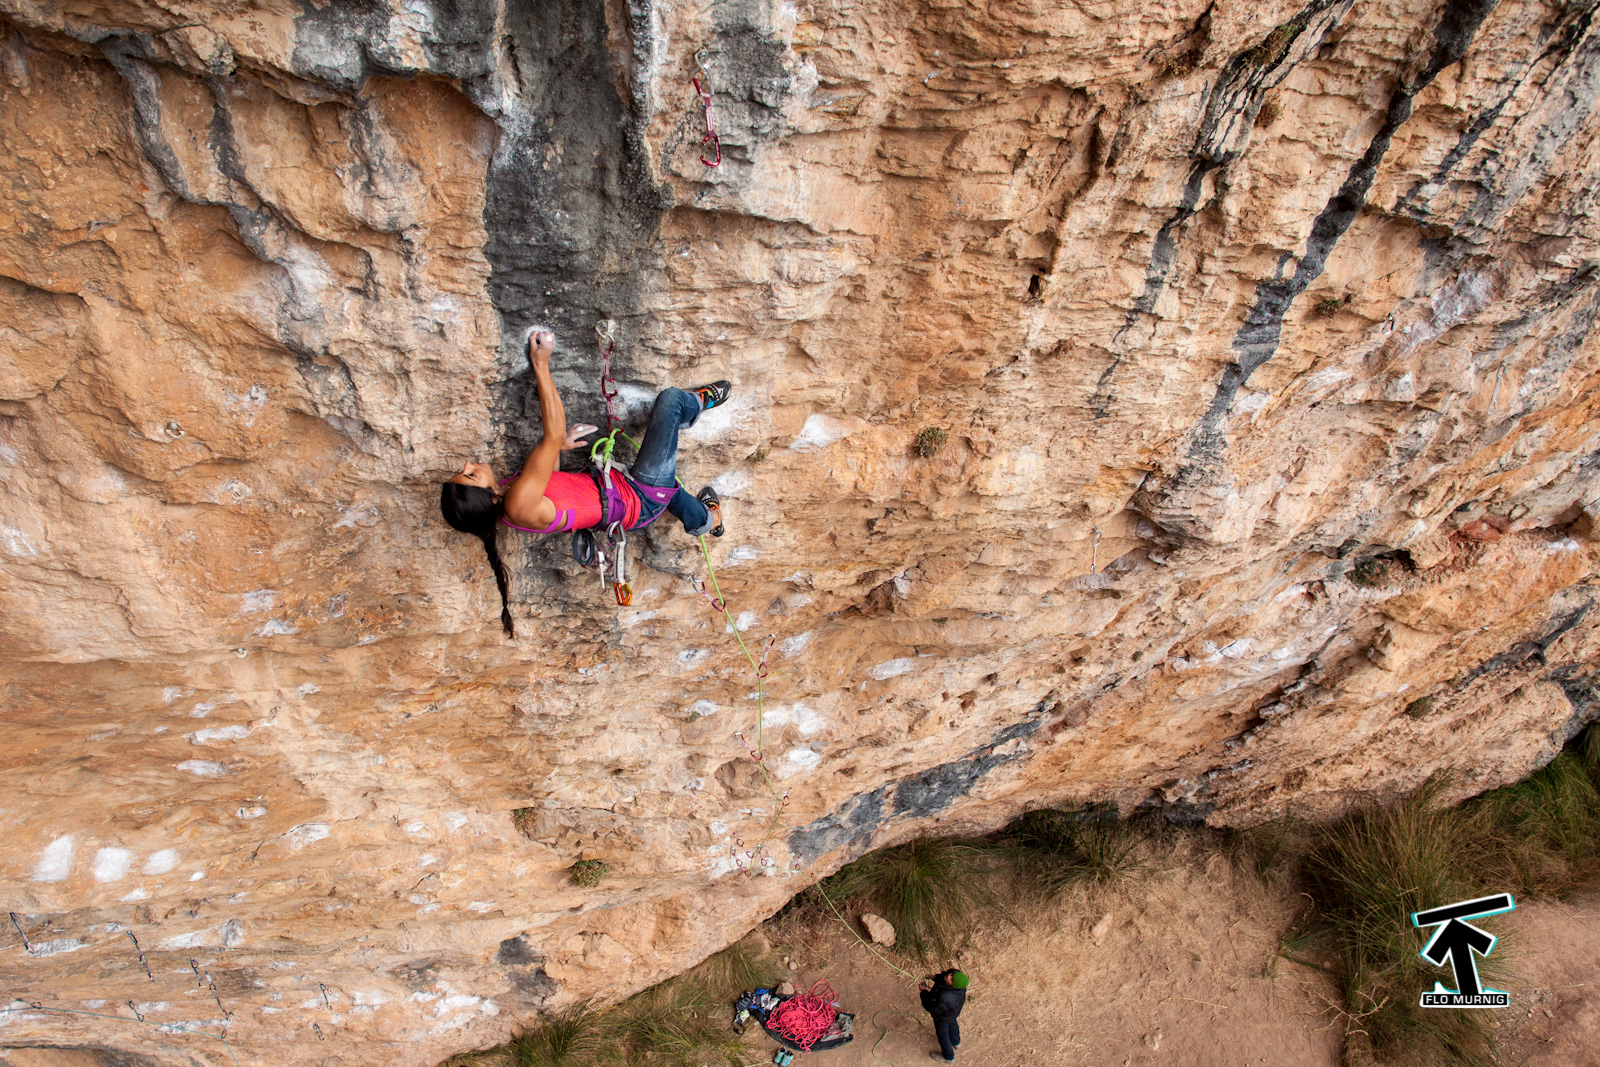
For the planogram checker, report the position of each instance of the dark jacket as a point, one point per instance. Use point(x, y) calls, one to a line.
point(943, 1001)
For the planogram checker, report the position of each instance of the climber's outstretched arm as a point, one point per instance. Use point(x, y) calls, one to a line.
point(525, 503)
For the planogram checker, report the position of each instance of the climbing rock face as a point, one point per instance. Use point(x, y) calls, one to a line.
point(1190, 407)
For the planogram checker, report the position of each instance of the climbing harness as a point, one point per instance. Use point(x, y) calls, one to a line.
point(702, 87)
point(607, 553)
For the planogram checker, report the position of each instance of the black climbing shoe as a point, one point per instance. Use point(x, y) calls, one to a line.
point(708, 497)
point(714, 394)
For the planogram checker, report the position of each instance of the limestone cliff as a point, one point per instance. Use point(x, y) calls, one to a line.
point(1262, 336)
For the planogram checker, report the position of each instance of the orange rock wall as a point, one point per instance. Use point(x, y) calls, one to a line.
point(1262, 338)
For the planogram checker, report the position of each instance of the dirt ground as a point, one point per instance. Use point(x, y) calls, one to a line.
point(1184, 971)
point(1554, 1018)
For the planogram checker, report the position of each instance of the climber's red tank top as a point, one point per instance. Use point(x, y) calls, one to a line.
point(577, 501)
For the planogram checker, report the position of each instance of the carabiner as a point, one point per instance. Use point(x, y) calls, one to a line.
point(619, 547)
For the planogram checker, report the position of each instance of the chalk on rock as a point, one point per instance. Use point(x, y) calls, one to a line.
point(879, 928)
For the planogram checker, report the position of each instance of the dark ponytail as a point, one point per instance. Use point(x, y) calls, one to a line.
point(473, 509)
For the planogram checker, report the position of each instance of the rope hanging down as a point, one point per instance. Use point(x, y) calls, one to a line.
point(601, 454)
point(702, 87)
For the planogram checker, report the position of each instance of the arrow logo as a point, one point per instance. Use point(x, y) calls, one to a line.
point(1455, 942)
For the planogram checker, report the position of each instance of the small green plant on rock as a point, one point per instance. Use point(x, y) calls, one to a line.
point(1419, 707)
point(1276, 45)
point(930, 442)
point(588, 873)
point(1329, 306)
point(1179, 66)
point(1268, 114)
point(1369, 572)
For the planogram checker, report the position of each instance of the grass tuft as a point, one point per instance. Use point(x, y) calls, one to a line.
point(1369, 873)
point(932, 891)
point(1419, 707)
point(574, 1037)
point(746, 964)
point(1056, 850)
point(678, 1022)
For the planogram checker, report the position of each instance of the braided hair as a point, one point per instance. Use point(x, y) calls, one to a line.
point(474, 510)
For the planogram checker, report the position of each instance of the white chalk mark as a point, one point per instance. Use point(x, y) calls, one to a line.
point(55, 863)
point(111, 863)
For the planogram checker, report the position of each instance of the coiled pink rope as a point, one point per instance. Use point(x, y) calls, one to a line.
point(804, 1018)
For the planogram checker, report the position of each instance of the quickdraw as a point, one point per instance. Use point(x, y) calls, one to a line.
point(702, 87)
point(605, 335)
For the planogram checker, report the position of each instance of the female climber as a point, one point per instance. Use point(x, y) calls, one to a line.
point(541, 499)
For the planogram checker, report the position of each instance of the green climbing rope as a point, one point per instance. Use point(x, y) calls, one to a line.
point(886, 1032)
point(600, 454)
point(869, 946)
point(756, 754)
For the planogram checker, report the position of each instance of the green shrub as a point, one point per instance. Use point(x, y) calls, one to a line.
point(588, 873)
point(930, 442)
point(1419, 707)
point(1179, 66)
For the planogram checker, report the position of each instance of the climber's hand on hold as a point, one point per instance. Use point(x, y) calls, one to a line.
point(540, 344)
point(583, 429)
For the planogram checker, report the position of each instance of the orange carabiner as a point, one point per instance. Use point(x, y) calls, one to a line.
point(624, 593)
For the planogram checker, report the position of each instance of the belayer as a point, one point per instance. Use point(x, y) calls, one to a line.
point(541, 499)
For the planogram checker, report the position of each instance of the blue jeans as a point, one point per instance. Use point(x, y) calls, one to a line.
point(657, 463)
point(949, 1034)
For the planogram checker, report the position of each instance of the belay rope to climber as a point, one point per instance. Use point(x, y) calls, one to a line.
point(616, 544)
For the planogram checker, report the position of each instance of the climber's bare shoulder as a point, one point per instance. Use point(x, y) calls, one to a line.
point(523, 509)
